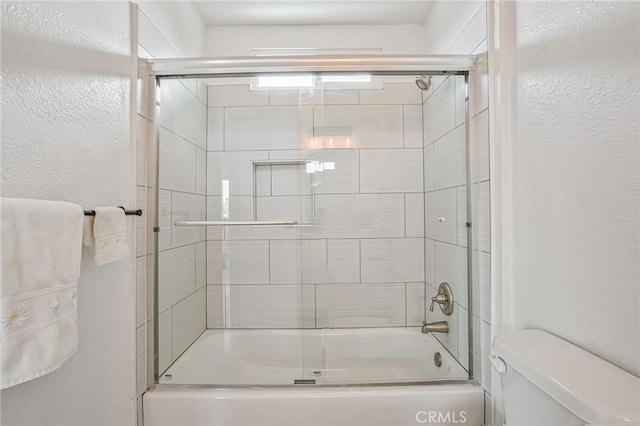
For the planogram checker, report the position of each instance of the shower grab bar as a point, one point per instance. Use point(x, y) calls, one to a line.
point(238, 223)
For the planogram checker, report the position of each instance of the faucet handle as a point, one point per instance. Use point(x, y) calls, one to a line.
point(440, 298)
point(444, 298)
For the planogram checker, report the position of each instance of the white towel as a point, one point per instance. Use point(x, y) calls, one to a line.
point(41, 253)
point(87, 231)
point(110, 234)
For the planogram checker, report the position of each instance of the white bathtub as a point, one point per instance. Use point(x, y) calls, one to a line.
point(328, 356)
point(228, 358)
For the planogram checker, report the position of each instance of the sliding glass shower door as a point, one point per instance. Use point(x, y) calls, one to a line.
point(366, 258)
point(326, 210)
point(261, 190)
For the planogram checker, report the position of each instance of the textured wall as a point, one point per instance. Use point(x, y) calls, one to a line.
point(575, 175)
point(66, 81)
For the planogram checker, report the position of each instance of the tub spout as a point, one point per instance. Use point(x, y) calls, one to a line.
point(435, 327)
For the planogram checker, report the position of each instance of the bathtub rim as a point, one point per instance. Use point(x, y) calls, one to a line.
point(206, 407)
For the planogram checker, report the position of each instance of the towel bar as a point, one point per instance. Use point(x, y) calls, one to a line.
point(137, 212)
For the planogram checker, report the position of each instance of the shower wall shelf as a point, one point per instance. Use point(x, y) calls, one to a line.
point(254, 205)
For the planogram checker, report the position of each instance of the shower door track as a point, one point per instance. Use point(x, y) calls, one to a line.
point(252, 65)
point(172, 387)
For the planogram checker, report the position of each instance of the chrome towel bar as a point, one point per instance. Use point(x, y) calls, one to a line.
point(137, 212)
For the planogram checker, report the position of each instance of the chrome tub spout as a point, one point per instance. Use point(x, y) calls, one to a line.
point(435, 327)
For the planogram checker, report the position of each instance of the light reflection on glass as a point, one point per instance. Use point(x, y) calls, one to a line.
point(318, 166)
point(285, 81)
point(225, 199)
point(346, 78)
point(332, 142)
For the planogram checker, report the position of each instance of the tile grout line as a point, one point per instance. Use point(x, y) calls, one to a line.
point(404, 211)
point(315, 306)
point(406, 314)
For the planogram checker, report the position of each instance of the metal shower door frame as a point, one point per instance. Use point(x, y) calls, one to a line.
point(178, 68)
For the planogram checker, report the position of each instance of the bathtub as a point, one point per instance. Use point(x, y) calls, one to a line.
point(381, 376)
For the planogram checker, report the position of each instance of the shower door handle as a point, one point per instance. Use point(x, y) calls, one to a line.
point(236, 223)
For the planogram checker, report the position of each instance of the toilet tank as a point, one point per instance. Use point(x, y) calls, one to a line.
point(548, 381)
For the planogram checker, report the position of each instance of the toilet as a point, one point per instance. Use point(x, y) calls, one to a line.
point(548, 381)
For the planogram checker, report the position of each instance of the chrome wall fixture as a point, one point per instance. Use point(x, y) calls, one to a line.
point(437, 359)
point(444, 298)
point(435, 327)
point(423, 82)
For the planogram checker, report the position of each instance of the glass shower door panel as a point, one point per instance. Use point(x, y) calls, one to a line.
point(267, 138)
point(446, 215)
point(181, 281)
point(367, 257)
point(338, 211)
point(370, 135)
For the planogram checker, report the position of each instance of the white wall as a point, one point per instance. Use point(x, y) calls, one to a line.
point(239, 40)
point(179, 22)
point(66, 82)
point(446, 22)
point(574, 173)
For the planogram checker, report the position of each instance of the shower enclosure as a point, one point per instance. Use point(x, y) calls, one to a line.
point(307, 211)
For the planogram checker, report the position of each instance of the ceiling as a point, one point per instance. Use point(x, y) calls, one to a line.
point(300, 12)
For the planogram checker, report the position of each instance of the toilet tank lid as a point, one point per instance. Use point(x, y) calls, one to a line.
point(593, 389)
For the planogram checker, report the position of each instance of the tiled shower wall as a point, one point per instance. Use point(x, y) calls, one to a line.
point(362, 264)
point(151, 43)
point(446, 205)
point(473, 40)
point(182, 197)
